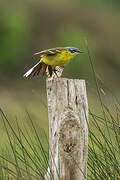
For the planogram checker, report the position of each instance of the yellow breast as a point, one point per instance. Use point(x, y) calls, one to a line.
point(60, 59)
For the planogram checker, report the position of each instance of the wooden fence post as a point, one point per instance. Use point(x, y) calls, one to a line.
point(68, 129)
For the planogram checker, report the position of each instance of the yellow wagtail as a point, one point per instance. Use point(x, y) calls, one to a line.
point(52, 61)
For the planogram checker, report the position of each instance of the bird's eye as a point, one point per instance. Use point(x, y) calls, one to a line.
point(72, 51)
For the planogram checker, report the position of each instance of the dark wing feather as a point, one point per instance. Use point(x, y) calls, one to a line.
point(44, 69)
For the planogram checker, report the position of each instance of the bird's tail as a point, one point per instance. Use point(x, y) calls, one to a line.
point(46, 69)
point(35, 70)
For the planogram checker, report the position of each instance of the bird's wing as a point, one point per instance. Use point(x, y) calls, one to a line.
point(52, 51)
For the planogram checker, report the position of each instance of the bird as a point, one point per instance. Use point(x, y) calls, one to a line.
point(52, 61)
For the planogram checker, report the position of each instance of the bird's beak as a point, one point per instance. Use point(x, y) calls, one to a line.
point(79, 51)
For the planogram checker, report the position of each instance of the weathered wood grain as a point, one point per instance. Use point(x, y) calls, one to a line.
point(68, 129)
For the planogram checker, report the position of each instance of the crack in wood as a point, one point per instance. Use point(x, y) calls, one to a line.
point(68, 92)
point(76, 101)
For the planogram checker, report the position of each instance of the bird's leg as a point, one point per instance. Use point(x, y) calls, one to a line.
point(55, 71)
point(58, 71)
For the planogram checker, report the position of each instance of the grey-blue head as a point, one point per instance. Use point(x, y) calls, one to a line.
point(74, 50)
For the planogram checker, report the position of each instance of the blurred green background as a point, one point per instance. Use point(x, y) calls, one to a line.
point(28, 26)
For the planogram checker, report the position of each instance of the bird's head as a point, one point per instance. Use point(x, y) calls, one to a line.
point(74, 51)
